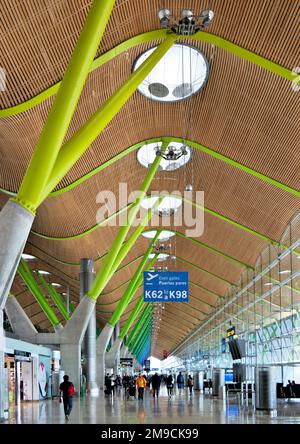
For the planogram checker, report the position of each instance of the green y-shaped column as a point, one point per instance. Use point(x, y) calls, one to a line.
point(31, 283)
point(144, 353)
point(125, 300)
point(55, 297)
point(139, 323)
point(118, 252)
point(143, 336)
point(134, 314)
point(73, 332)
point(51, 139)
point(77, 145)
point(134, 284)
point(141, 332)
point(144, 348)
point(17, 216)
point(142, 341)
point(113, 352)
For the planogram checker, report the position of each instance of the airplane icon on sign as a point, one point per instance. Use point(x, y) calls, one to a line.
point(151, 276)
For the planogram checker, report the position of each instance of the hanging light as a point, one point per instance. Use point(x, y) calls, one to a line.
point(28, 257)
point(207, 17)
point(164, 17)
point(188, 23)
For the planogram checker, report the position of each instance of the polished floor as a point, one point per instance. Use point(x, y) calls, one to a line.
point(180, 409)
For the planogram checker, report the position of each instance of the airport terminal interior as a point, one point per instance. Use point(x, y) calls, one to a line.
point(149, 212)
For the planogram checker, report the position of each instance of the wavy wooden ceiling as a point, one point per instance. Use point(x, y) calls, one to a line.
point(244, 112)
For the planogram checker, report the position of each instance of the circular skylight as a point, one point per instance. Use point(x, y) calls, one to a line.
point(167, 207)
point(179, 74)
point(160, 257)
point(163, 235)
point(28, 257)
point(176, 155)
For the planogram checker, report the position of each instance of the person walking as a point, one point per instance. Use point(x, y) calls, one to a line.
point(180, 382)
point(66, 392)
point(289, 389)
point(112, 384)
point(155, 384)
point(141, 384)
point(170, 384)
point(108, 387)
point(190, 384)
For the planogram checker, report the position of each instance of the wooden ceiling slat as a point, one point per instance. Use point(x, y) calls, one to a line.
point(244, 113)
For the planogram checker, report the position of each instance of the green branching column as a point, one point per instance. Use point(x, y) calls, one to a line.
point(32, 285)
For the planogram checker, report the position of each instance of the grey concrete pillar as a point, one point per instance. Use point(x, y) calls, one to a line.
point(20, 322)
point(2, 383)
point(71, 362)
point(117, 345)
point(124, 351)
point(101, 346)
point(71, 338)
point(116, 331)
point(58, 328)
point(87, 275)
point(112, 358)
point(68, 300)
point(15, 225)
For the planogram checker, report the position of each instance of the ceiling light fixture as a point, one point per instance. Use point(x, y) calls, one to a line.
point(188, 23)
point(161, 257)
point(167, 207)
point(28, 257)
point(176, 155)
point(43, 272)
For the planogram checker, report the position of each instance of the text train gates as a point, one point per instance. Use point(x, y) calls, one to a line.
point(167, 286)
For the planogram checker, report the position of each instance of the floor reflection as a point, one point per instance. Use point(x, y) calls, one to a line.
point(179, 409)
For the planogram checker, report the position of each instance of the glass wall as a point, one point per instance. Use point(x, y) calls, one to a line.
point(264, 308)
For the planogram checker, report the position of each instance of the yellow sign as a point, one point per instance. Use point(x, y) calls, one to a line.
point(230, 332)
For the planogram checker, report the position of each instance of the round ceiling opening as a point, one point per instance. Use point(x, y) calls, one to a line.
point(180, 73)
point(175, 156)
point(168, 206)
point(163, 235)
point(161, 257)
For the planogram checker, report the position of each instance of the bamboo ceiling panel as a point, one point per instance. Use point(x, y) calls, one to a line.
point(71, 270)
point(218, 234)
point(244, 112)
point(109, 307)
point(187, 318)
point(251, 116)
point(223, 195)
point(207, 260)
point(38, 37)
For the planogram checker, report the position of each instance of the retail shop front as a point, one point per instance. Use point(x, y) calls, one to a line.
point(28, 371)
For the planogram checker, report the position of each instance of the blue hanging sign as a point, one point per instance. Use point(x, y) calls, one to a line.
point(166, 286)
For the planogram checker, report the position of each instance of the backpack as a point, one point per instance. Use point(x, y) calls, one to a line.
point(71, 390)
